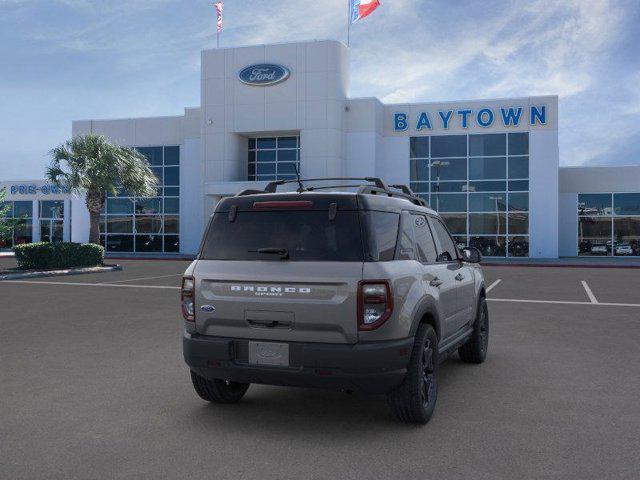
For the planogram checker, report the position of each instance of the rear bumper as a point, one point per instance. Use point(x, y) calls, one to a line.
point(373, 367)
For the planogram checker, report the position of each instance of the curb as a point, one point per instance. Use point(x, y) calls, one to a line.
point(60, 273)
point(558, 265)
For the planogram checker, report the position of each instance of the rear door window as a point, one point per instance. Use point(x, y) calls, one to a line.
point(406, 242)
point(305, 235)
point(424, 240)
point(446, 247)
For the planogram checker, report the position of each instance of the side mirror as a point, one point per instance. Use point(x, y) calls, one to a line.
point(471, 255)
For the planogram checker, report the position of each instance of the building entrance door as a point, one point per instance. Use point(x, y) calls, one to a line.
point(51, 230)
point(52, 221)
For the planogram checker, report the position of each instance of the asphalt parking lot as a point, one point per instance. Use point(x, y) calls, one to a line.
point(93, 386)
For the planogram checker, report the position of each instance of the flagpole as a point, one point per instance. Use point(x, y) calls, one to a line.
point(217, 39)
point(348, 23)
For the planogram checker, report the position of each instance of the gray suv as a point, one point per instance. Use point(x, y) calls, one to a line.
point(361, 290)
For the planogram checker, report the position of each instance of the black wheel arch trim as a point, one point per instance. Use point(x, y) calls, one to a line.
point(426, 306)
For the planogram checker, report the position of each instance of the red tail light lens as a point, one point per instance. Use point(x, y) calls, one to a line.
point(187, 295)
point(290, 205)
point(375, 303)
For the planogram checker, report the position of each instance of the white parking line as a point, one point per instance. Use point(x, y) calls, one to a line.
point(78, 284)
point(491, 287)
point(142, 278)
point(590, 294)
point(503, 300)
point(563, 302)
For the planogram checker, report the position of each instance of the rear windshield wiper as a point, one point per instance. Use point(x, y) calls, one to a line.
point(283, 252)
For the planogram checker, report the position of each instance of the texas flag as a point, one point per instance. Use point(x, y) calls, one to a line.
point(361, 8)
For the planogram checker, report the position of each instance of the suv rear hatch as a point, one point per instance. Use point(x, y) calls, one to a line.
point(281, 267)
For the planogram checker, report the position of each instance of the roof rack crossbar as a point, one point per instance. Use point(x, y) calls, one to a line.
point(366, 189)
point(273, 186)
point(376, 186)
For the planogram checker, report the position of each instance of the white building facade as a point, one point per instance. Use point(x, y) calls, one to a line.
point(44, 212)
point(490, 167)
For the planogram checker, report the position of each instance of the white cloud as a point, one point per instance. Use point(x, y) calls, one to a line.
point(408, 51)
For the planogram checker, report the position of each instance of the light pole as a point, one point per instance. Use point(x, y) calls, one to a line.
point(497, 214)
point(438, 164)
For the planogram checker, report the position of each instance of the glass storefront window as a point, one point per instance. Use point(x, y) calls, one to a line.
point(492, 144)
point(518, 167)
point(419, 169)
point(171, 224)
point(518, 223)
point(518, 144)
point(487, 223)
point(149, 243)
point(456, 223)
point(470, 176)
point(626, 203)
point(518, 202)
point(609, 224)
point(51, 209)
point(449, 202)
point(519, 186)
point(22, 233)
point(487, 186)
point(148, 205)
point(487, 202)
point(22, 208)
point(149, 224)
point(51, 230)
point(119, 224)
point(518, 246)
point(449, 169)
point(448, 146)
point(273, 158)
point(594, 204)
point(142, 224)
point(489, 246)
point(120, 206)
point(626, 233)
point(483, 168)
point(419, 147)
point(451, 187)
point(594, 233)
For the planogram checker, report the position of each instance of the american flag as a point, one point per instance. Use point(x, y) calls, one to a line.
point(219, 7)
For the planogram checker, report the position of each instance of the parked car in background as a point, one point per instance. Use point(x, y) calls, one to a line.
point(624, 249)
point(599, 249)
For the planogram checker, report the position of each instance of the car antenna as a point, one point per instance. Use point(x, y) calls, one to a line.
point(301, 187)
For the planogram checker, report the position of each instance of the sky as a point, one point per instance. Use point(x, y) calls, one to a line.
point(64, 60)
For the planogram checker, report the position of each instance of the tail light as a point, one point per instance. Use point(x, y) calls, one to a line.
point(375, 303)
point(187, 294)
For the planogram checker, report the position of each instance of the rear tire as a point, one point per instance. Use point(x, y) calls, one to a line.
point(218, 391)
point(475, 349)
point(415, 400)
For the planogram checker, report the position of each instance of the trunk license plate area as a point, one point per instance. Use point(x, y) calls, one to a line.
point(269, 353)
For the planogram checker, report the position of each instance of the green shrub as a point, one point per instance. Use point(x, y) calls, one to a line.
point(46, 256)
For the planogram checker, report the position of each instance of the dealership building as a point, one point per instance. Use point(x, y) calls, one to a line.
point(489, 167)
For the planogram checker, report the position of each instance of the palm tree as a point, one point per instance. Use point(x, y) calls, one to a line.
point(92, 165)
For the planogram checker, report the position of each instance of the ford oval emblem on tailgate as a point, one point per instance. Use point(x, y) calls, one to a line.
point(207, 308)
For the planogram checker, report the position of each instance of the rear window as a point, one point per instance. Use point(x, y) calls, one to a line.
point(306, 236)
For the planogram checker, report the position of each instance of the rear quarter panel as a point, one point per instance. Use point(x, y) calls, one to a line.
point(405, 277)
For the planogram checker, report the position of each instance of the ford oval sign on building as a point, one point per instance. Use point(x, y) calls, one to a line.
point(263, 74)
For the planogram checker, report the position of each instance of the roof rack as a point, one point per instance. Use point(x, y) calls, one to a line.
point(375, 186)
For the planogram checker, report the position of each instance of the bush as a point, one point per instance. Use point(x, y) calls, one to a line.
point(46, 256)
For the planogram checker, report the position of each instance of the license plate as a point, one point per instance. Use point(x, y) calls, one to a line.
point(268, 353)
